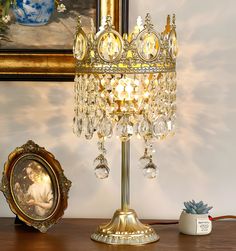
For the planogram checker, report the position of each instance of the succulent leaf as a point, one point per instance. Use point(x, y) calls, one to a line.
point(200, 209)
point(192, 207)
point(200, 203)
point(193, 211)
point(188, 207)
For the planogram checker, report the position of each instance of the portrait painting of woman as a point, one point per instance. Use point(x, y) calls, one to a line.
point(35, 186)
point(33, 189)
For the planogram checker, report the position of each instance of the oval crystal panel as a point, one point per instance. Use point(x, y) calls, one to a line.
point(79, 48)
point(173, 45)
point(109, 46)
point(148, 46)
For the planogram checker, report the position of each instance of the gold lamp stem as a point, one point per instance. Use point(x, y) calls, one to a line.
point(125, 175)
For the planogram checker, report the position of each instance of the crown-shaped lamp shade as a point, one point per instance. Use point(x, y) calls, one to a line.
point(126, 85)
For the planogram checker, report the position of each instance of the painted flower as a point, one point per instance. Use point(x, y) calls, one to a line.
point(61, 7)
point(6, 19)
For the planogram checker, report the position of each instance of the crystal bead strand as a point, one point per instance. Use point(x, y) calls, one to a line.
point(101, 169)
point(149, 168)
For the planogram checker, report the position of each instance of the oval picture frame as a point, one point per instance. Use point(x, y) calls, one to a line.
point(35, 186)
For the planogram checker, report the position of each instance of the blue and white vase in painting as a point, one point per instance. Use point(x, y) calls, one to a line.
point(33, 12)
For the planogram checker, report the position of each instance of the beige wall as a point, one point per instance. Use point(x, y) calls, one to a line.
point(199, 162)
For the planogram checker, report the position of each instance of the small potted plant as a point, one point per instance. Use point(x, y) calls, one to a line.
point(194, 219)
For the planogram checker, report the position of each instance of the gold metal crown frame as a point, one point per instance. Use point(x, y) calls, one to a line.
point(128, 58)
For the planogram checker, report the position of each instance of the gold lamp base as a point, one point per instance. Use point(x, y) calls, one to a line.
point(125, 229)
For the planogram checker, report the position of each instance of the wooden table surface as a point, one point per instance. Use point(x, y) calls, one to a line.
point(74, 235)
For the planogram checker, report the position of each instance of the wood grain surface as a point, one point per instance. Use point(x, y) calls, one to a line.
point(74, 235)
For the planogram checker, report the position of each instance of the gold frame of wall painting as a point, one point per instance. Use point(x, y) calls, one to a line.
point(50, 65)
point(35, 186)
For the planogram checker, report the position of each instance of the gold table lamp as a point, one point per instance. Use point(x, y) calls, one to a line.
point(125, 84)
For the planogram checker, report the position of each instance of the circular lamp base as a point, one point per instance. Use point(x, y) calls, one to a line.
point(125, 229)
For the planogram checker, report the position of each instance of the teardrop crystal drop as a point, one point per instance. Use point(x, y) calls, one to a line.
point(124, 129)
point(88, 128)
point(105, 128)
point(159, 127)
point(77, 126)
point(144, 128)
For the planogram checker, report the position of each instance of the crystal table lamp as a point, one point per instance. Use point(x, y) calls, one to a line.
point(125, 85)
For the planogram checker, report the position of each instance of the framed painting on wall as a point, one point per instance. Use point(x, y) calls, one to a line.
point(36, 37)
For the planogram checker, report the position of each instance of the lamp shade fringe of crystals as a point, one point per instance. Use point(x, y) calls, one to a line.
point(125, 85)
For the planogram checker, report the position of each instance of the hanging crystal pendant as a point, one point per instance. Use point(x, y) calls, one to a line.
point(144, 160)
point(159, 127)
point(150, 170)
point(89, 128)
point(77, 126)
point(101, 171)
point(105, 127)
point(124, 128)
point(100, 160)
point(144, 128)
point(101, 146)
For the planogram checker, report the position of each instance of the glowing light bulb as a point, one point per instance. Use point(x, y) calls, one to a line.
point(146, 81)
point(103, 81)
point(136, 82)
point(129, 89)
point(146, 94)
point(119, 88)
point(113, 81)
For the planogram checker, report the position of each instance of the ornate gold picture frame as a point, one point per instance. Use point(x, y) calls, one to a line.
point(35, 186)
point(50, 64)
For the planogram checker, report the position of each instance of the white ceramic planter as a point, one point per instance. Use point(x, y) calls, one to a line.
point(194, 224)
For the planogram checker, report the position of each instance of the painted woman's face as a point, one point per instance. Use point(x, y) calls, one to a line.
point(31, 174)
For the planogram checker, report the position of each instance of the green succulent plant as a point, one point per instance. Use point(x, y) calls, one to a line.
point(191, 207)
